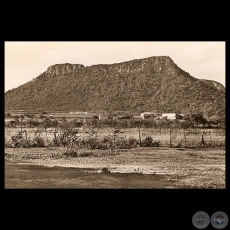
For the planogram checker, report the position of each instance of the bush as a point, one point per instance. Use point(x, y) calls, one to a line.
point(75, 123)
point(123, 144)
point(148, 142)
point(71, 153)
point(18, 143)
point(155, 144)
point(105, 170)
point(107, 139)
point(92, 143)
point(123, 124)
point(104, 146)
point(21, 142)
point(8, 144)
point(32, 123)
point(178, 145)
point(133, 142)
point(117, 131)
point(7, 115)
point(54, 123)
point(38, 141)
point(12, 124)
point(32, 143)
point(84, 154)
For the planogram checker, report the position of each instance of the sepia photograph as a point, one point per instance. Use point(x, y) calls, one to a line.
point(114, 115)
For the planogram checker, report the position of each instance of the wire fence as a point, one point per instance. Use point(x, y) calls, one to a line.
point(186, 137)
point(116, 138)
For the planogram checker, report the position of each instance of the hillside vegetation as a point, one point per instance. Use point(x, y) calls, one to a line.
point(149, 84)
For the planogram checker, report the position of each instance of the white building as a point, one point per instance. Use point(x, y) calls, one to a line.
point(78, 113)
point(103, 117)
point(147, 115)
point(172, 116)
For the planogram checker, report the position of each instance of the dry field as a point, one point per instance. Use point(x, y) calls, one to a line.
point(160, 167)
point(180, 167)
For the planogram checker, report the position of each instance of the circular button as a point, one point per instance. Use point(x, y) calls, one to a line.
point(201, 220)
point(219, 220)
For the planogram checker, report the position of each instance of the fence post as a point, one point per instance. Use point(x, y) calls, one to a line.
point(55, 137)
point(202, 139)
point(114, 136)
point(184, 139)
point(46, 137)
point(26, 134)
point(170, 132)
point(139, 137)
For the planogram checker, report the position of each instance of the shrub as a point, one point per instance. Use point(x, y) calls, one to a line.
point(71, 153)
point(123, 124)
point(54, 123)
point(75, 123)
point(32, 123)
point(123, 144)
point(148, 142)
point(84, 154)
point(101, 154)
point(8, 115)
point(178, 145)
point(39, 141)
point(105, 170)
point(12, 124)
point(103, 146)
point(117, 131)
point(18, 143)
point(107, 139)
point(133, 142)
point(8, 144)
point(155, 144)
point(33, 143)
point(92, 143)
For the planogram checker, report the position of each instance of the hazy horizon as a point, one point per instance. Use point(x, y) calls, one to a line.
point(27, 60)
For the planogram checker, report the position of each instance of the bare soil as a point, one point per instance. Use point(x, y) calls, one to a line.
point(142, 167)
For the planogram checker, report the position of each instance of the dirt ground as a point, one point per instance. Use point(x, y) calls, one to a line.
point(184, 168)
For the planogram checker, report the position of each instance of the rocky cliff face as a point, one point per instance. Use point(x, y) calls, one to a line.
point(61, 69)
point(156, 64)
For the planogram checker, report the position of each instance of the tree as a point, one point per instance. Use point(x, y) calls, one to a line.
point(196, 118)
point(32, 123)
point(8, 115)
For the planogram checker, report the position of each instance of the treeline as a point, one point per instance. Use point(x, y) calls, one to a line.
point(123, 123)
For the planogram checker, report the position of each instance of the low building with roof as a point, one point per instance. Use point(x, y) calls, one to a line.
point(172, 116)
point(148, 115)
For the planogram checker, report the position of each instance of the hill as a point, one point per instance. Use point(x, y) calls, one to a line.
point(214, 84)
point(154, 83)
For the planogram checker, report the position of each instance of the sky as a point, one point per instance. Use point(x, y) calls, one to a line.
point(27, 60)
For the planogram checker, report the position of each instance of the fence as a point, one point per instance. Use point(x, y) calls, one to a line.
point(165, 137)
point(186, 137)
